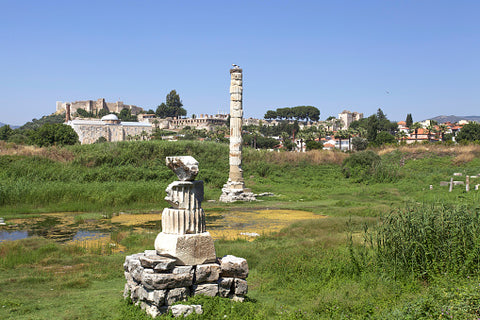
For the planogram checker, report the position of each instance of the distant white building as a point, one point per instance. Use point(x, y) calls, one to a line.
point(110, 128)
point(348, 117)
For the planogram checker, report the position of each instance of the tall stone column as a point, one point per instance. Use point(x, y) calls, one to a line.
point(234, 189)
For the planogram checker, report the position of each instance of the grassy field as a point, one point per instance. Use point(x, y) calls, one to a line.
point(390, 248)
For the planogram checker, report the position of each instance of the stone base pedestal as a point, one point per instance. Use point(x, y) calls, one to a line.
point(187, 249)
point(155, 283)
point(236, 191)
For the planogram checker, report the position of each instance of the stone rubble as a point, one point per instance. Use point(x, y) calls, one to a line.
point(185, 310)
point(157, 289)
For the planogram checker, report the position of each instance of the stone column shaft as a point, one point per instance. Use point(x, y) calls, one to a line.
point(234, 189)
point(236, 115)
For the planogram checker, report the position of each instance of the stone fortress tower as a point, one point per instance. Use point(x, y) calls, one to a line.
point(234, 189)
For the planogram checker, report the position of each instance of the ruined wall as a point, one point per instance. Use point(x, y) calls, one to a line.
point(96, 106)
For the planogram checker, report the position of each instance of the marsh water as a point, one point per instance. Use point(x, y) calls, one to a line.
point(78, 227)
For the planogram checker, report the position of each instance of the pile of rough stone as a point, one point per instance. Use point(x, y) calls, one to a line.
point(184, 262)
point(155, 282)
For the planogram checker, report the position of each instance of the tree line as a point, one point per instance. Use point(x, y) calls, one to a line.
point(298, 113)
point(44, 132)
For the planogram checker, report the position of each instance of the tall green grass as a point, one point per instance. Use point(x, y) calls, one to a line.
point(422, 241)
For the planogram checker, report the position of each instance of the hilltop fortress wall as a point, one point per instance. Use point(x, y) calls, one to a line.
point(96, 106)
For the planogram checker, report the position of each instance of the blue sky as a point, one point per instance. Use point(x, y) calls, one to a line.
point(420, 57)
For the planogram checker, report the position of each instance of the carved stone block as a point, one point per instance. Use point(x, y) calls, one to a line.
point(188, 249)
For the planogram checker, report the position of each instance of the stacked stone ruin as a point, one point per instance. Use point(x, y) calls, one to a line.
point(184, 262)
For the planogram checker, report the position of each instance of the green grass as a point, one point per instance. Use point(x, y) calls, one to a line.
point(317, 269)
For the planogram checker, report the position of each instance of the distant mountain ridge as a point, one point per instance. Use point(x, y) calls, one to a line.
point(13, 127)
point(453, 119)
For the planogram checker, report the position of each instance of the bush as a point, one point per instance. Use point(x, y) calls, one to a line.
point(361, 165)
point(359, 143)
point(51, 134)
point(384, 138)
point(101, 139)
point(314, 145)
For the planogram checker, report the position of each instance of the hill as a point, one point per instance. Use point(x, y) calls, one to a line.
point(453, 119)
point(36, 123)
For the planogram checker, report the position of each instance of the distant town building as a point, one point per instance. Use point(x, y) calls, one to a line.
point(204, 121)
point(348, 117)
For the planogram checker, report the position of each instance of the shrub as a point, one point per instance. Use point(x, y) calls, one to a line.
point(359, 166)
point(314, 145)
point(384, 138)
point(51, 134)
point(359, 143)
point(101, 139)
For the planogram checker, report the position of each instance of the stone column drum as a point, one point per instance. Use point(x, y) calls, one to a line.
point(184, 236)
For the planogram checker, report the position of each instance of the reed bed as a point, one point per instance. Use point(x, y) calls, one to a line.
point(424, 150)
point(314, 157)
point(423, 241)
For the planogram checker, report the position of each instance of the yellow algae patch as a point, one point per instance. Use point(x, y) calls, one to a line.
point(98, 244)
point(136, 219)
point(247, 224)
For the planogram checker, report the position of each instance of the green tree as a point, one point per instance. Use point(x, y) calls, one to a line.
point(51, 134)
point(359, 124)
point(408, 121)
point(400, 136)
point(173, 107)
point(103, 112)
point(313, 145)
point(430, 129)
point(126, 115)
point(5, 132)
point(85, 114)
point(381, 116)
point(469, 132)
point(302, 135)
point(270, 114)
point(359, 143)
point(384, 124)
point(340, 135)
point(384, 137)
point(299, 113)
point(372, 128)
point(285, 136)
point(442, 128)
